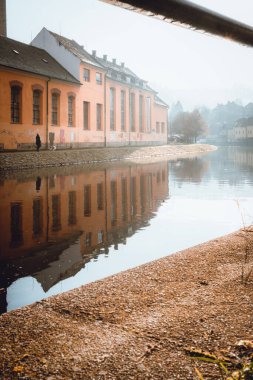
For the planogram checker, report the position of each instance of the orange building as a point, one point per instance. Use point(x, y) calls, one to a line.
point(116, 104)
point(73, 99)
point(36, 93)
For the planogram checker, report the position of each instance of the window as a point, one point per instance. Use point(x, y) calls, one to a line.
point(112, 109)
point(36, 107)
point(98, 78)
point(123, 109)
point(157, 127)
point(86, 75)
point(132, 112)
point(141, 113)
point(148, 114)
point(86, 115)
point(16, 104)
point(55, 109)
point(99, 117)
point(71, 111)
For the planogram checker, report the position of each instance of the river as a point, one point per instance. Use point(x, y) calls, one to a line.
point(65, 227)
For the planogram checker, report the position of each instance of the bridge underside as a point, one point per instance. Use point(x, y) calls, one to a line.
point(192, 16)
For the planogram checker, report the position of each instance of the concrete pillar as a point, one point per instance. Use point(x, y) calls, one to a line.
point(3, 28)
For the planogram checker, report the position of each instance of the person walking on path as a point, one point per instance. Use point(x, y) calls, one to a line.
point(38, 142)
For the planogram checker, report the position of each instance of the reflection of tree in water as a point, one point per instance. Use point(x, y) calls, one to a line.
point(191, 169)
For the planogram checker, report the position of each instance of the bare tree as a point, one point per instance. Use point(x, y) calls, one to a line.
point(190, 125)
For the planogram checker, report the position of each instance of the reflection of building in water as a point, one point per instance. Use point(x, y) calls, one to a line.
point(39, 228)
point(241, 156)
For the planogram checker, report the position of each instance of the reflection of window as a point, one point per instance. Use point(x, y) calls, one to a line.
point(37, 217)
point(124, 199)
point(142, 193)
point(87, 200)
point(99, 117)
point(98, 78)
point(150, 190)
point(157, 127)
point(86, 115)
point(86, 75)
point(16, 93)
point(113, 203)
point(51, 182)
point(163, 175)
point(158, 177)
point(100, 196)
point(88, 239)
point(112, 109)
point(55, 109)
point(16, 224)
point(36, 107)
point(100, 237)
point(72, 207)
point(163, 127)
point(133, 196)
point(56, 212)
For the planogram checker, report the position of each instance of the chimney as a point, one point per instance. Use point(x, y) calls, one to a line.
point(122, 65)
point(94, 53)
point(105, 57)
point(114, 61)
point(3, 28)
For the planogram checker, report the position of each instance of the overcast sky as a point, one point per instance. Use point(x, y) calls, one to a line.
point(181, 64)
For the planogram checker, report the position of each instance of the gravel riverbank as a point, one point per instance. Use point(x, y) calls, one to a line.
point(137, 324)
point(32, 159)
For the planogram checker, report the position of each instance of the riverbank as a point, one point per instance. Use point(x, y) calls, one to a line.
point(32, 159)
point(137, 324)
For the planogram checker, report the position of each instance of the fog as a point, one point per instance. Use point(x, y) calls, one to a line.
point(180, 64)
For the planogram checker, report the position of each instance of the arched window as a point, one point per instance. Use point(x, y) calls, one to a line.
point(16, 102)
point(37, 119)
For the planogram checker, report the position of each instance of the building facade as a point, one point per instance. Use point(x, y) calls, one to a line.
point(35, 92)
point(73, 99)
point(242, 132)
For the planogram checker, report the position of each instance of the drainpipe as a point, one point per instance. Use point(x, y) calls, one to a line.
point(47, 108)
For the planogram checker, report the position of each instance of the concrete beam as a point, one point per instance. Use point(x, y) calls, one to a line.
point(192, 16)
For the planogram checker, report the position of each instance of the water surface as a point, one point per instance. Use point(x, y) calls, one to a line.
point(61, 228)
